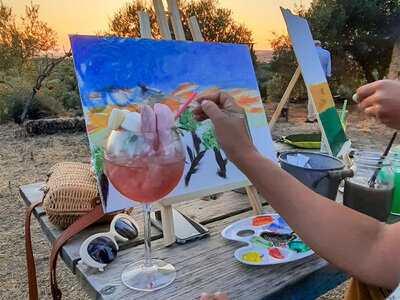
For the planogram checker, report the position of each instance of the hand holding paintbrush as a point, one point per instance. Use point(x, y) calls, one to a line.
point(381, 99)
point(230, 123)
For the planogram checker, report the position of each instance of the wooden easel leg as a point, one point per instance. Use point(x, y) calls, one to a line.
point(255, 200)
point(285, 98)
point(168, 225)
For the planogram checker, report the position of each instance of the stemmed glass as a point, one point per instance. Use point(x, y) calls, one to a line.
point(145, 167)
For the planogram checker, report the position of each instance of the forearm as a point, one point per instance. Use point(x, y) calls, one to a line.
point(346, 238)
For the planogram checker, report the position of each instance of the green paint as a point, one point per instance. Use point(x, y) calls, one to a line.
point(298, 246)
point(396, 194)
point(343, 112)
point(186, 121)
point(333, 129)
point(208, 139)
point(261, 243)
point(98, 156)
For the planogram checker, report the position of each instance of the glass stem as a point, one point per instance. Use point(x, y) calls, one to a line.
point(147, 235)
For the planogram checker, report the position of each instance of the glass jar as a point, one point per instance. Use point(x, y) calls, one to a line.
point(395, 155)
point(371, 197)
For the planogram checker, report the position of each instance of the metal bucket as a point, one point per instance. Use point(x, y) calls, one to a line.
point(323, 177)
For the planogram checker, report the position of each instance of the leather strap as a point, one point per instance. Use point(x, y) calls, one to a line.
point(83, 222)
point(30, 262)
point(80, 224)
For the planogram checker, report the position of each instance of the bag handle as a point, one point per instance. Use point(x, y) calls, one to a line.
point(30, 261)
point(80, 224)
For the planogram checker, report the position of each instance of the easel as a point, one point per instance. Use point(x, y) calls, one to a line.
point(145, 32)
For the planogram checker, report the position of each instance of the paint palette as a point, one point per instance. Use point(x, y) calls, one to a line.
point(270, 241)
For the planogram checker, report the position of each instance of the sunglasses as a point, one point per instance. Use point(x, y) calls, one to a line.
point(101, 249)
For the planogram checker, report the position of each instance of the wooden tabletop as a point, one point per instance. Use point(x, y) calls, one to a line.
point(206, 265)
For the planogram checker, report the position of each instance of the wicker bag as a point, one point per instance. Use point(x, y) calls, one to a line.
point(71, 192)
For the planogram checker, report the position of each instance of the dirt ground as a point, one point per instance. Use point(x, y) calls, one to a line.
point(25, 160)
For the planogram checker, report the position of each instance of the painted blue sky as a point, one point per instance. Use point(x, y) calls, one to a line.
point(121, 63)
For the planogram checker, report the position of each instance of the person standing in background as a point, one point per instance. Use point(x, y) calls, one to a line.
point(325, 58)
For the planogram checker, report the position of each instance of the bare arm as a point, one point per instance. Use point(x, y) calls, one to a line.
point(362, 246)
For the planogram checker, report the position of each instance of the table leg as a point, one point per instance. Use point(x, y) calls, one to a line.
point(168, 225)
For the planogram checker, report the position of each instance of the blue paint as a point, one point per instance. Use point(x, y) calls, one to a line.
point(114, 62)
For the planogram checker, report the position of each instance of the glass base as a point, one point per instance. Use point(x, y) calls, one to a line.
point(137, 277)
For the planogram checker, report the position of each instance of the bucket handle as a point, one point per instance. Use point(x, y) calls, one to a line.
point(341, 174)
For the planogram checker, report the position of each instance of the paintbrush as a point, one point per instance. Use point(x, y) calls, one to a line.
point(190, 99)
point(146, 88)
point(231, 113)
point(371, 182)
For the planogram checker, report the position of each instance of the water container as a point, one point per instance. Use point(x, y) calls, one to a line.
point(323, 177)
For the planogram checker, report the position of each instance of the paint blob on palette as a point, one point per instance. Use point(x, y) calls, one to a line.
point(269, 241)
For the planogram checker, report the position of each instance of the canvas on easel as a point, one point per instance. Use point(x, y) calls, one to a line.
point(318, 90)
point(129, 73)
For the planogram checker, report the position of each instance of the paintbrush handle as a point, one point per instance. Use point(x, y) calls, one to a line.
point(373, 178)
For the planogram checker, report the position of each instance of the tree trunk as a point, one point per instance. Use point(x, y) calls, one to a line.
point(367, 73)
point(39, 81)
point(51, 126)
point(394, 69)
point(27, 101)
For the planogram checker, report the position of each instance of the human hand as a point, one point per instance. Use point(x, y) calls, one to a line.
point(229, 122)
point(381, 99)
point(216, 296)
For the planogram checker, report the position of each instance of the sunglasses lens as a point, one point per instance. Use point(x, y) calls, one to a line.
point(126, 229)
point(102, 250)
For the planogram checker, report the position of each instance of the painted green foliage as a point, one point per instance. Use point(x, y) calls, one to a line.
point(98, 155)
point(209, 141)
point(186, 121)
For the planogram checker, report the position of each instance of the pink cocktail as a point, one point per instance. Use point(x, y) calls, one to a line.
point(145, 167)
point(145, 179)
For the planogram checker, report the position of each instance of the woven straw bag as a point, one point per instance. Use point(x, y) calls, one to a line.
point(71, 192)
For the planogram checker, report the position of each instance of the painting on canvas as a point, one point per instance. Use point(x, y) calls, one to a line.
point(128, 73)
point(314, 77)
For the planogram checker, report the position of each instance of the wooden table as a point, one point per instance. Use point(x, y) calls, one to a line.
point(206, 265)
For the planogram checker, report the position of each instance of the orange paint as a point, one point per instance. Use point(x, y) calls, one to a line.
point(209, 91)
point(90, 127)
point(182, 88)
point(255, 110)
point(186, 94)
point(247, 101)
point(172, 104)
point(236, 92)
point(263, 220)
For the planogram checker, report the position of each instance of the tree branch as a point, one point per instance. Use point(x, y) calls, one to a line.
point(43, 74)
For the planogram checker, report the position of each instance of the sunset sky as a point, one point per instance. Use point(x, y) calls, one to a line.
point(90, 16)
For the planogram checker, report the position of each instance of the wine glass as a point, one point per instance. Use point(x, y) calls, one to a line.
point(145, 167)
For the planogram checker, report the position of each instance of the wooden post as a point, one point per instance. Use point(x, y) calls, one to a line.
point(195, 30)
point(285, 98)
point(145, 29)
point(166, 211)
point(168, 225)
point(176, 20)
point(255, 200)
point(162, 20)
